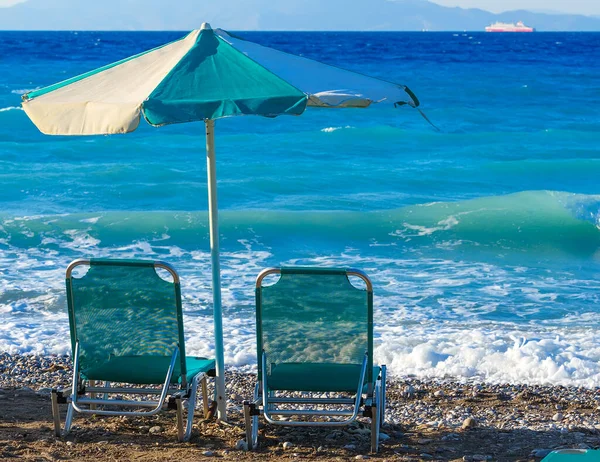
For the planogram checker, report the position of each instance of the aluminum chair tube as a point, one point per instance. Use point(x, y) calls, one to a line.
point(156, 404)
point(353, 415)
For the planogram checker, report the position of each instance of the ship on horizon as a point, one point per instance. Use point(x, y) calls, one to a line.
point(509, 27)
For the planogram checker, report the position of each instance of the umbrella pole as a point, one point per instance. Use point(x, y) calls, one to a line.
point(213, 213)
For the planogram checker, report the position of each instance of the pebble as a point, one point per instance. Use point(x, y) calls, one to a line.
point(361, 457)
point(469, 422)
point(384, 436)
point(155, 430)
point(350, 447)
point(358, 431)
point(69, 443)
point(287, 445)
point(408, 391)
point(439, 393)
point(241, 445)
point(333, 436)
point(557, 417)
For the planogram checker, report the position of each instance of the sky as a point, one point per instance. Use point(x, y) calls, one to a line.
point(588, 7)
point(10, 2)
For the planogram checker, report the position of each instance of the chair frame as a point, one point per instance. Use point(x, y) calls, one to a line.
point(370, 403)
point(170, 396)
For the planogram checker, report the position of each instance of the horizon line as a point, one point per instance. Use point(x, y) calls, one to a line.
point(299, 30)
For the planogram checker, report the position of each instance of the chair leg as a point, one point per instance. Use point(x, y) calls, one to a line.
point(55, 412)
point(383, 403)
point(107, 385)
point(212, 408)
point(254, 431)
point(193, 398)
point(249, 427)
point(68, 419)
point(253, 440)
point(205, 397)
point(92, 383)
point(376, 416)
point(180, 434)
point(375, 419)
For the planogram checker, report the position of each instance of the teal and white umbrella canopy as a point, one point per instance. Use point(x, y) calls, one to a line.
point(204, 76)
point(207, 75)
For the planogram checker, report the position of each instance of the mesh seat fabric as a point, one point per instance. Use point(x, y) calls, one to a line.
point(316, 377)
point(128, 322)
point(145, 369)
point(315, 328)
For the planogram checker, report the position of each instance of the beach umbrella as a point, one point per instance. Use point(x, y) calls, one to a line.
point(206, 75)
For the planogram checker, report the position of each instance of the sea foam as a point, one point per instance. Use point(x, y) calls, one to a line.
point(10, 108)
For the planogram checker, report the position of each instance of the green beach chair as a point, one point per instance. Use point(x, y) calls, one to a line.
point(315, 351)
point(573, 455)
point(126, 327)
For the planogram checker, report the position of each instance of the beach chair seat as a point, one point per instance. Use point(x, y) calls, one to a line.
point(126, 325)
point(323, 377)
point(145, 369)
point(315, 349)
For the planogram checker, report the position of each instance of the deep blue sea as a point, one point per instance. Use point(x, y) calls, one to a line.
point(482, 239)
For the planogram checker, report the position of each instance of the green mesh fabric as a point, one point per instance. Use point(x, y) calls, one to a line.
point(316, 376)
point(125, 310)
point(310, 320)
point(144, 369)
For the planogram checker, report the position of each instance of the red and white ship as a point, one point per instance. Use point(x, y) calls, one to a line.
point(509, 27)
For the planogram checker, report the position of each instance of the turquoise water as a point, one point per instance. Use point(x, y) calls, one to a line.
point(481, 239)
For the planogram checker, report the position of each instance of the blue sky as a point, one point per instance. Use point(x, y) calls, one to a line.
point(589, 7)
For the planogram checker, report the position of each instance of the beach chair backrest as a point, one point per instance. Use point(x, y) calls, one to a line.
point(123, 308)
point(314, 315)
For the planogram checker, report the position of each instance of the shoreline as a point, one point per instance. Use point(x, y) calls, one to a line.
point(426, 420)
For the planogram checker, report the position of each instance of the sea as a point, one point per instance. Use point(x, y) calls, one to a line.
point(481, 237)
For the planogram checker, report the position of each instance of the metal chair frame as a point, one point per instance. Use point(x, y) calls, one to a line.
point(265, 402)
point(170, 397)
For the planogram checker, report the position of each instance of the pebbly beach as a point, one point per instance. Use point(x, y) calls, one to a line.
point(443, 420)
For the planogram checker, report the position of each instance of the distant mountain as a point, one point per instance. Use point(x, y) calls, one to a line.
point(271, 15)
